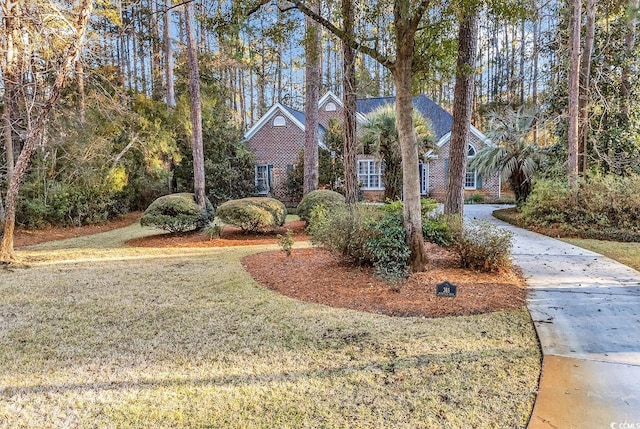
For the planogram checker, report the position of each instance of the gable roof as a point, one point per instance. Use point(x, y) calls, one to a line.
point(276, 108)
point(298, 118)
point(440, 118)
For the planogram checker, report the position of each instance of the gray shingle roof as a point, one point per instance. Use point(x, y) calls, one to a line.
point(440, 118)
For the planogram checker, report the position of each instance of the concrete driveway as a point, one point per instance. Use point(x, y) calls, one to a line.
point(586, 310)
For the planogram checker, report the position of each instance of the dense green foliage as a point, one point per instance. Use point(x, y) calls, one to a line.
point(253, 214)
point(177, 213)
point(605, 207)
point(126, 152)
point(371, 235)
point(66, 205)
point(328, 199)
point(229, 165)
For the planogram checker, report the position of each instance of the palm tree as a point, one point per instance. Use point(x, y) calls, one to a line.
point(380, 137)
point(517, 155)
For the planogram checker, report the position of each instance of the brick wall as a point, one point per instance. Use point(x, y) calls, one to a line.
point(437, 175)
point(279, 147)
point(324, 116)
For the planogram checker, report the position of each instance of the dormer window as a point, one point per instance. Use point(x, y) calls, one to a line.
point(330, 107)
point(279, 121)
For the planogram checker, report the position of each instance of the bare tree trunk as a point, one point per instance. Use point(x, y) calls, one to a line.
point(82, 103)
point(585, 90)
point(168, 58)
point(629, 45)
point(7, 254)
point(534, 80)
point(196, 111)
point(9, 75)
point(462, 104)
point(405, 29)
point(349, 111)
point(574, 91)
point(313, 78)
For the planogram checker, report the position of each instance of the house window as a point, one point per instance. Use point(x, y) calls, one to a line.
point(330, 107)
point(471, 178)
point(279, 121)
point(370, 174)
point(262, 179)
point(424, 178)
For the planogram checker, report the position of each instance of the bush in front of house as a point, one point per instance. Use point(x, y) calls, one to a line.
point(481, 245)
point(343, 230)
point(329, 199)
point(255, 214)
point(177, 213)
point(365, 235)
point(388, 247)
point(435, 227)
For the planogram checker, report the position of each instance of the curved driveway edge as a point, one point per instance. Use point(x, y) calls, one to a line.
point(586, 311)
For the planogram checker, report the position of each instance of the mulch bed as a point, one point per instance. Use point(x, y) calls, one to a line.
point(315, 275)
point(24, 237)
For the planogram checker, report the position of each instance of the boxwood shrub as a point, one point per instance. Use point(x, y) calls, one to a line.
point(329, 199)
point(254, 214)
point(177, 213)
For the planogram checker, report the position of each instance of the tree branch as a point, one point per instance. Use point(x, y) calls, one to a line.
point(420, 10)
point(342, 35)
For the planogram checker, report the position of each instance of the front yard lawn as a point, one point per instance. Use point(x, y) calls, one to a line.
point(129, 337)
point(625, 253)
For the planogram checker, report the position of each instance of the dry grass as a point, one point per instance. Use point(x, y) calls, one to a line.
point(116, 337)
point(625, 253)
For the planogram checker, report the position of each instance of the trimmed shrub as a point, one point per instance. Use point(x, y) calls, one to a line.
point(437, 230)
point(177, 213)
point(481, 245)
point(253, 214)
point(329, 199)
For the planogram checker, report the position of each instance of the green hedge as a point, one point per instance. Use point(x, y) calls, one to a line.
point(253, 214)
point(329, 199)
point(177, 213)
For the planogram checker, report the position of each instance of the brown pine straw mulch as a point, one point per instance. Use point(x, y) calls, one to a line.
point(315, 275)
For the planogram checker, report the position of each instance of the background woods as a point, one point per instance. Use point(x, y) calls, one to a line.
point(119, 134)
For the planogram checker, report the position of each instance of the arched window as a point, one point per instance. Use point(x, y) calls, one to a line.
point(471, 179)
point(330, 107)
point(279, 121)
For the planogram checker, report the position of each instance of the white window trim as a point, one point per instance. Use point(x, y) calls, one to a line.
point(266, 179)
point(369, 162)
point(475, 172)
point(279, 121)
point(424, 179)
point(330, 107)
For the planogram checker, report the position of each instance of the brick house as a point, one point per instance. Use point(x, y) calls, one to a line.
point(278, 137)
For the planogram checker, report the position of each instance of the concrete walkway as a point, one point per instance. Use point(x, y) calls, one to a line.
point(586, 310)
